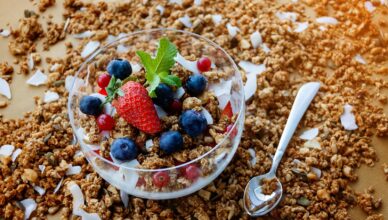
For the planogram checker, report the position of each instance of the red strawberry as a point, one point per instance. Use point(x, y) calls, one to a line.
point(137, 108)
point(228, 112)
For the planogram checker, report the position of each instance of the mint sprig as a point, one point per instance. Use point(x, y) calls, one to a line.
point(113, 90)
point(158, 68)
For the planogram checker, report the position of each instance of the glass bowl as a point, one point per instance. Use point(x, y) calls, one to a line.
point(127, 176)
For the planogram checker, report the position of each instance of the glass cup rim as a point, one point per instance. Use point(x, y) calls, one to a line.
point(148, 31)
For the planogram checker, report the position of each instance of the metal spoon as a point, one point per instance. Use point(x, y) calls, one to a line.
point(256, 203)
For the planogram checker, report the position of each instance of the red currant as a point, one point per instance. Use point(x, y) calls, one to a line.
point(105, 122)
point(103, 92)
point(204, 64)
point(176, 106)
point(192, 172)
point(103, 80)
point(161, 179)
point(233, 133)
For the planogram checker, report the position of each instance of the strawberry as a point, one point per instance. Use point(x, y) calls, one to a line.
point(228, 112)
point(136, 107)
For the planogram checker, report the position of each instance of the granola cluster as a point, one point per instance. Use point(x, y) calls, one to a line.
point(316, 174)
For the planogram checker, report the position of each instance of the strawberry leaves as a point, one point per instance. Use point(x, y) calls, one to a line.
point(158, 68)
point(113, 90)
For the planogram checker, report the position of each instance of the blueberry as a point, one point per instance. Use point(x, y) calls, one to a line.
point(123, 149)
point(171, 141)
point(193, 122)
point(164, 96)
point(196, 84)
point(119, 68)
point(90, 105)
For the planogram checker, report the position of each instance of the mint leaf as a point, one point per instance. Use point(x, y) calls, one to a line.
point(158, 69)
point(113, 90)
point(170, 80)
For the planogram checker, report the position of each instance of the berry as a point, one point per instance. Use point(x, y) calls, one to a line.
point(137, 109)
point(227, 112)
point(119, 68)
point(164, 96)
point(176, 106)
point(90, 105)
point(196, 84)
point(171, 141)
point(141, 182)
point(105, 122)
point(103, 80)
point(161, 179)
point(233, 133)
point(192, 172)
point(102, 91)
point(204, 64)
point(193, 122)
point(123, 149)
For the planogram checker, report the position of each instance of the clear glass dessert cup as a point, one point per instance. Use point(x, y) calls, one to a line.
point(127, 176)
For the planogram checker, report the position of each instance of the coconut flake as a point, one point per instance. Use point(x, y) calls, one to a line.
point(185, 20)
point(130, 176)
point(83, 35)
point(327, 20)
point(15, 154)
point(369, 6)
point(232, 30)
point(41, 168)
point(348, 120)
point(110, 39)
point(73, 170)
point(58, 186)
point(312, 144)
point(197, 2)
point(77, 84)
point(359, 59)
point(301, 26)
point(189, 65)
point(122, 49)
point(135, 67)
point(179, 93)
point(29, 206)
point(30, 62)
point(309, 134)
point(40, 190)
point(4, 88)
point(78, 201)
point(5, 33)
point(66, 25)
point(6, 150)
point(221, 88)
point(251, 68)
point(179, 2)
point(223, 100)
point(207, 115)
point(148, 144)
point(124, 198)
point(217, 19)
point(286, 16)
point(161, 113)
point(50, 96)
point(252, 153)
point(250, 86)
point(54, 67)
point(256, 39)
point(220, 157)
point(89, 48)
point(265, 48)
point(37, 79)
point(160, 9)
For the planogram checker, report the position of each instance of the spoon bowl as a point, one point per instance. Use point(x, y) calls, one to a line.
point(256, 203)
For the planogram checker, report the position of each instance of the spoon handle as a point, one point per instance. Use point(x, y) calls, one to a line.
point(302, 101)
